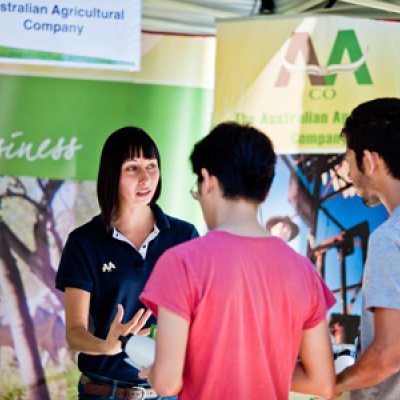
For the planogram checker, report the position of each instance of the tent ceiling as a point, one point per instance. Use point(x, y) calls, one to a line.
point(198, 17)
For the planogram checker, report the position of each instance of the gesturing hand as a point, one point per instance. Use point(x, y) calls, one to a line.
point(117, 328)
point(138, 322)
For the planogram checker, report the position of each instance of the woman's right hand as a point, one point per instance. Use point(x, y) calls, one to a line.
point(134, 326)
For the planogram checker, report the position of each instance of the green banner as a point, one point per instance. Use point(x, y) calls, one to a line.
point(55, 128)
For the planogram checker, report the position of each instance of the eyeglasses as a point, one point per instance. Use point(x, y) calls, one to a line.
point(194, 191)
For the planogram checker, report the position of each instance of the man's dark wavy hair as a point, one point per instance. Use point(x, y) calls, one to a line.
point(375, 126)
point(241, 157)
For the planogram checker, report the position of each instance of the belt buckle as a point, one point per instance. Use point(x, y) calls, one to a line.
point(138, 391)
point(151, 393)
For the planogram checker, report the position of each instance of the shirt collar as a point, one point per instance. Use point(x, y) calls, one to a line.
point(161, 220)
point(396, 211)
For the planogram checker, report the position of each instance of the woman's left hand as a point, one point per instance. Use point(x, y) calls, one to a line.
point(136, 324)
point(112, 344)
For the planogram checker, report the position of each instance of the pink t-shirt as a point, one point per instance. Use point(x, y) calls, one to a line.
point(247, 301)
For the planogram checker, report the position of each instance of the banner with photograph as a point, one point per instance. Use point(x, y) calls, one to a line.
point(92, 34)
point(53, 125)
point(298, 78)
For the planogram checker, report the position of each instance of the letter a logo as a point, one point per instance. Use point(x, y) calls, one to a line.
point(299, 43)
point(345, 41)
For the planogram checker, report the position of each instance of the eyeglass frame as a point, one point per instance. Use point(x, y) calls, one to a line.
point(194, 191)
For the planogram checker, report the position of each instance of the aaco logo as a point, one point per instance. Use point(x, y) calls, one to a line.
point(346, 40)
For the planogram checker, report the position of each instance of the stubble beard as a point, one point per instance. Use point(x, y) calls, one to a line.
point(369, 199)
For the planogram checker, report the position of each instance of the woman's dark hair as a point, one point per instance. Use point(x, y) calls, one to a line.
point(122, 145)
point(240, 157)
point(375, 126)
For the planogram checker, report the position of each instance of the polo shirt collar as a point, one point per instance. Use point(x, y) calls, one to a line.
point(161, 220)
point(145, 245)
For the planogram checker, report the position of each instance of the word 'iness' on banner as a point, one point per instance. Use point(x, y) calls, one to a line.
point(55, 149)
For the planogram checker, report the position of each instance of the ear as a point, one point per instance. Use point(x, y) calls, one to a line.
point(209, 181)
point(371, 161)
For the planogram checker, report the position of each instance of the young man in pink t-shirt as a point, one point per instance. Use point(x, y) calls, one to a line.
point(237, 307)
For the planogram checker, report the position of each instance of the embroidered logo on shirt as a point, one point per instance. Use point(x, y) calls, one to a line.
point(108, 267)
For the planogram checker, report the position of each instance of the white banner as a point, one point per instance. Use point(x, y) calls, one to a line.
point(71, 33)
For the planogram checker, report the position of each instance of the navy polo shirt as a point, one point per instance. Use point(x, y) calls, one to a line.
point(114, 273)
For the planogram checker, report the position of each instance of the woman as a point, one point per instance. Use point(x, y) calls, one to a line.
point(106, 263)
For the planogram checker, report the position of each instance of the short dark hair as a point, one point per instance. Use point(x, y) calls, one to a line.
point(240, 157)
point(375, 126)
point(122, 145)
